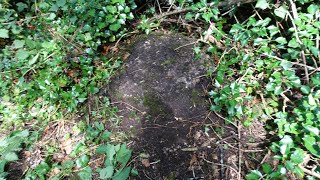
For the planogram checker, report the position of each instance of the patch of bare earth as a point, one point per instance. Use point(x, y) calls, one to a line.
point(162, 100)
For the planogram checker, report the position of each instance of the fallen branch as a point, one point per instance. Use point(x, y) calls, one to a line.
point(312, 173)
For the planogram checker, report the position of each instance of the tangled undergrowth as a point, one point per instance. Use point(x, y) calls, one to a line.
point(267, 70)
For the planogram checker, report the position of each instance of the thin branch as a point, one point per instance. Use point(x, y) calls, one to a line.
point(312, 173)
point(295, 63)
point(221, 4)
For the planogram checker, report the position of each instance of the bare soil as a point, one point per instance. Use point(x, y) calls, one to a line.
point(162, 100)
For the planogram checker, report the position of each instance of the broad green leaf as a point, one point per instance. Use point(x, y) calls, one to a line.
point(293, 43)
point(311, 100)
point(134, 172)
point(21, 6)
point(314, 131)
point(4, 33)
point(81, 100)
point(112, 38)
point(281, 12)
point(67, 164)
point(106, 135)
point(22, 54)
point(260, 41)
point(254, 175)
point(281, 40)
point(315, 51)
point(85, 173)
point(289, 165)
point(99, 126)
point(267, 168)
point(299, 172)
point(286, 144)
point(2, 165)
point(295, 81)
point(61, 3)
point(305, 89)
point(10, 156)
point(34, 59)
point(311, 144)
point(102, 149)
point(286, 65)
point(262, 4)
point(82, 161)
point(123, 155)
point(122, 175)
point(106, 172)
point(312, 9)
point(278, 90)
point(51, 16)
point(42, 168)
point(189, 16)
point(207, 16)
point(297, 156)
point(110, 152)
point(23, 134)
point(18, 43)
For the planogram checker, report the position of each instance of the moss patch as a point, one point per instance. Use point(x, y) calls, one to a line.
point(155, 105)
point(169, 62)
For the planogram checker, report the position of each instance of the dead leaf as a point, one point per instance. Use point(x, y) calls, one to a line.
point(67, 146)
point(54, 171)
point(193, 160)
point(125, 56)
point(145, 162)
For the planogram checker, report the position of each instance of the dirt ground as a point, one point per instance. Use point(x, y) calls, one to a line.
point(164, 106)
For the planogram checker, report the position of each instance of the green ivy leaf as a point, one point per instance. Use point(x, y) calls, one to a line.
point(61, 3)
point(262, 4)
point(4, 33)
point(68, 164)
point(281, 40)
point(189, 16)
point(106, 135)
point(305, 89)
point(311, 100)
point(124, 174)
point(286, 65)
point(85, 173)
point(22, 54)
point(82, 161)
point(10, 156)
point(293, 43)
point(34, 59)
point(311, 144)
point(299, 172)
point(278, 90)
point(313, 130)
point(297, 156)
point(286, 143)
point(123, 155)
point(21, 6)
point(281, 12)
point(312, 9)
point(110, 151)
point(18, 43)
point(267, 168)
point(102, 149)
point(106, 172)
point(254, 175)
